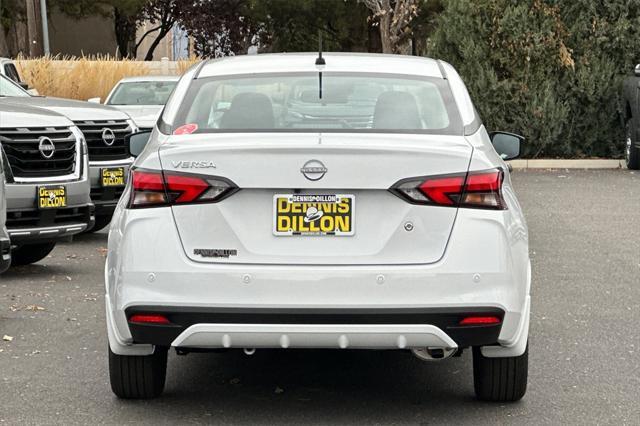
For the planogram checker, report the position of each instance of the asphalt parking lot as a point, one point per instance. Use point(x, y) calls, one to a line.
point(584, 339)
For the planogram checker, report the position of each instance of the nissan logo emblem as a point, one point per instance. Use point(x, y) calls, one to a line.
point(46, 147)
point(313, 170)
point(108, 137)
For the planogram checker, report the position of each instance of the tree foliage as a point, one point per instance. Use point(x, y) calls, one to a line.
point(220, 27)
point(293, 26)
point(550, 70)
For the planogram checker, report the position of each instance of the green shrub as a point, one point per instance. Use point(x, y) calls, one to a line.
point(550, 70)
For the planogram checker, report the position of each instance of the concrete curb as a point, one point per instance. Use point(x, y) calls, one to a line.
point(568, 164)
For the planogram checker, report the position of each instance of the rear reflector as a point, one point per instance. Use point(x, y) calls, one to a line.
point(154, 188)
point(480, 321)
point(149, 319)
point(479, 189)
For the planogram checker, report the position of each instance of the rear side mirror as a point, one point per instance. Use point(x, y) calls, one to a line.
point(636, 70)
point(94, 100)
point(24, 85)
point(136, 142)
point(507, 145)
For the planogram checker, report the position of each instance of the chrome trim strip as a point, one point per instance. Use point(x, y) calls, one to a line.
point(122, 162)
point(46, 231)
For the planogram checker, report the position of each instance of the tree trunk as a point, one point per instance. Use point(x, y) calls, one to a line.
point(33, 28)
point(125, 29)
point(156, 42)
point(385, 34)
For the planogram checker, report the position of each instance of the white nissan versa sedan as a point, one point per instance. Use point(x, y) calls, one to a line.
point(346, 201)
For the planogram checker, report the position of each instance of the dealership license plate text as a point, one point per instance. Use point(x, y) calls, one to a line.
point(112, 176)
point(52, 197)
point(301, 214)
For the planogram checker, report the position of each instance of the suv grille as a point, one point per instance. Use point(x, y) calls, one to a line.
point(99, 150)
point(26, 160)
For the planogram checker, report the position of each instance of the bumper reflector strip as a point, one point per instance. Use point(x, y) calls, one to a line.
point(480, 321)
point(149, 319)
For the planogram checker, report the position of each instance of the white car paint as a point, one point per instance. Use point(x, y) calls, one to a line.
point(145, 116)
point(453, 258)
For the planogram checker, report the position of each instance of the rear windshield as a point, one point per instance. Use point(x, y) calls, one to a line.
point(142, 93)
point(304, 102)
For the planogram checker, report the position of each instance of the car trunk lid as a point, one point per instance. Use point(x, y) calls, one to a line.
point(384, 229)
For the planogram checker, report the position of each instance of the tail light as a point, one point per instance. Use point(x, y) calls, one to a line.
point(153, 188)
point(480, 189)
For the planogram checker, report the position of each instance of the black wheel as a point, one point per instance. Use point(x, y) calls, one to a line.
point(137, 377)
point(500, 379)
point(30, 253)
point(101, 223)
point(631, 151)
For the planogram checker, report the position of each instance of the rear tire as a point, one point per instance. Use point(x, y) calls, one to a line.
point(30, 253)
point(500, 379)
point(101, 223)
point(138, 377)
point(631, 151)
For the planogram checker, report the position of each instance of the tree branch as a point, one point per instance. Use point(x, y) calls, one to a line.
point(146, 34)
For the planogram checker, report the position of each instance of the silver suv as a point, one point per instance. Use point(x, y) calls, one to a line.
point(5, 244)
point(104, 129)
point(47, 180)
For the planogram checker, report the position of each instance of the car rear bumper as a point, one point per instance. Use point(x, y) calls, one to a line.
point(318, 328)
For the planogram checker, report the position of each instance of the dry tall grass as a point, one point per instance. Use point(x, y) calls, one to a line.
point(89, 77)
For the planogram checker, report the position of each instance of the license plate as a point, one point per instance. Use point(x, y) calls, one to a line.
point(113, 176)
point(303, 214)
point(52, 197)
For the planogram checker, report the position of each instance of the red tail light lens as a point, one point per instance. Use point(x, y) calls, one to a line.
point(444, 190)
point(482, 189)
point(157, 188)
point(147, 189)
point(185, 189)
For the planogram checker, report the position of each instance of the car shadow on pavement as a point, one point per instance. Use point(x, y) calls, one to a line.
point(314, 386)
point(96, 237)
point(34, 272)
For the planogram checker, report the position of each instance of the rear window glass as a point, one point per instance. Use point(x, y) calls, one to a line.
point(142, 93)
point(12, 72)
point(346, 102)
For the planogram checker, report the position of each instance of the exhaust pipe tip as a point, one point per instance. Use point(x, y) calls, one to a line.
point(433, 354)
point(249, 351)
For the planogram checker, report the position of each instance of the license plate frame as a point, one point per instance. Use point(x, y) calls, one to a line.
point(304, 215)
point(112, 177)
point(51, 197)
